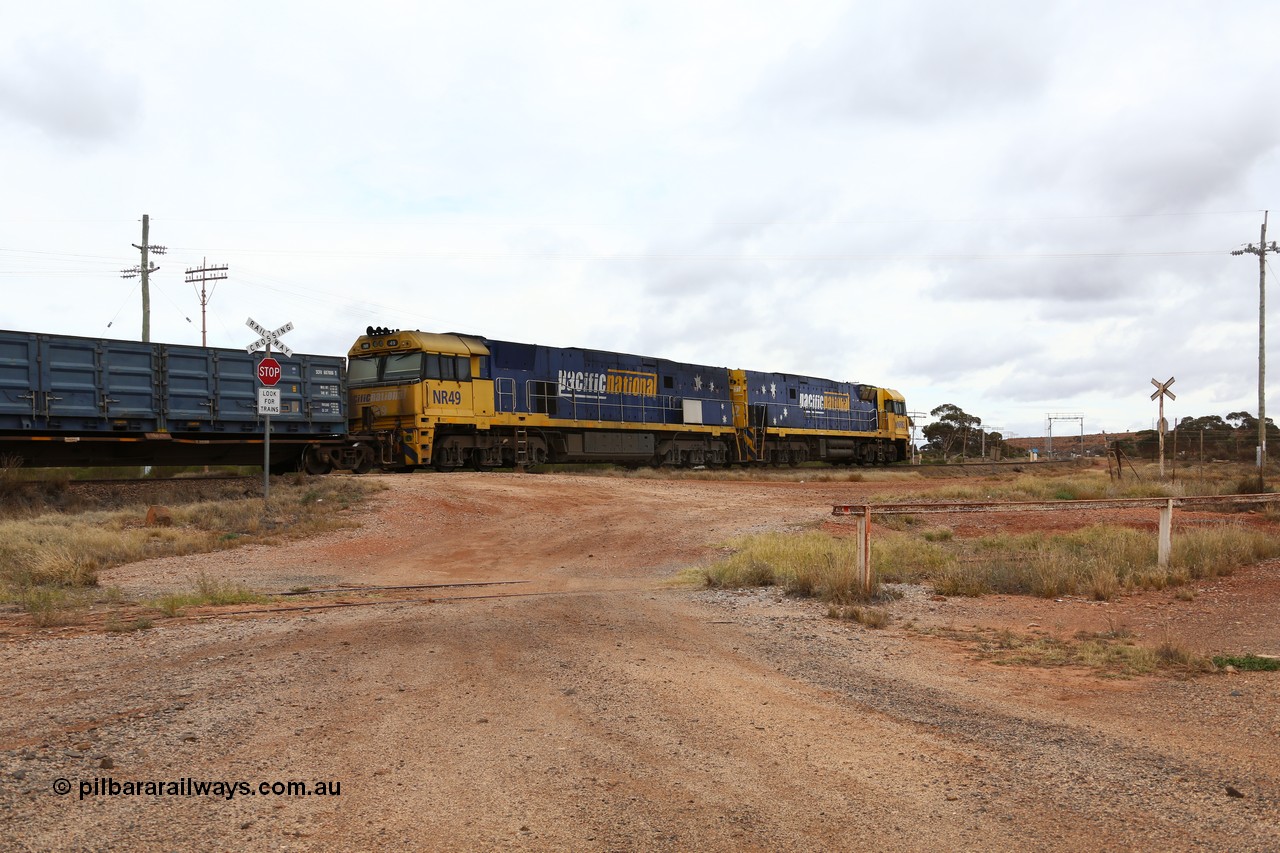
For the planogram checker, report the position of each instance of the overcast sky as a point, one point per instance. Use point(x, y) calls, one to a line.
point(1019, 208)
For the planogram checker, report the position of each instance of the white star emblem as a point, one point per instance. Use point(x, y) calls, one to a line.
point(712, 387)
point(773, 390)
point(775, 421)
point(724, 419)
point(697, 383)
point(784, 411)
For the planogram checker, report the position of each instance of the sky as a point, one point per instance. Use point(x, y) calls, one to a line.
point(1021, 209)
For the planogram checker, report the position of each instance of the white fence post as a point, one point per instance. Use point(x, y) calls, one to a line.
point(1166, 534)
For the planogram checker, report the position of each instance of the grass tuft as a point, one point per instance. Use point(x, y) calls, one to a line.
point(1248, 663)
point(808, 564)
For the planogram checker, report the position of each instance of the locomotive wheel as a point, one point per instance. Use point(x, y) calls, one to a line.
point(365, 465)
point(314, 465)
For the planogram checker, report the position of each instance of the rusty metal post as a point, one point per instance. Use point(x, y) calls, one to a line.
point(864, 551)
point(1166, 535)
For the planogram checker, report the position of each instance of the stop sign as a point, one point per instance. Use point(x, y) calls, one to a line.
point(269, 371)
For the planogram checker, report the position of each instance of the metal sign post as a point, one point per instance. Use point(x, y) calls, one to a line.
point(1162, 391)
point(269, 373)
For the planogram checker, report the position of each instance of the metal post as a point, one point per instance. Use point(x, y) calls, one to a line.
point(266, 449)
point(1160, 430)
point(1261, 251)
point(1262, 355)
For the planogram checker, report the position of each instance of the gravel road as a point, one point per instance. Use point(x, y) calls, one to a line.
point(603, 708)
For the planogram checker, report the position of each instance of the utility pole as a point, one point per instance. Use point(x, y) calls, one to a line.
point(1261, 251)
point(145, 269)
point(205, 273)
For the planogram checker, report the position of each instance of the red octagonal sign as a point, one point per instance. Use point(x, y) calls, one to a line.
point(269, 371)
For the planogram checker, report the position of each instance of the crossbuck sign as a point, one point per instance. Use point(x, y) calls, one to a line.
point(270, 340)
point(268, 398)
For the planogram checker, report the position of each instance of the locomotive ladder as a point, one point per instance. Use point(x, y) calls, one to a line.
point(522, 448)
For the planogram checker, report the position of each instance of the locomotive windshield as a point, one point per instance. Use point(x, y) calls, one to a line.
point(401, 367)
point(361, 371)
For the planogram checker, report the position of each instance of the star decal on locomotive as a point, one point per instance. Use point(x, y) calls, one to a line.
point(773, 390)
point(697, 383)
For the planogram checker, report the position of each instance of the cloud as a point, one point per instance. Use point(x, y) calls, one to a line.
point(68, 92)
point(916, 62)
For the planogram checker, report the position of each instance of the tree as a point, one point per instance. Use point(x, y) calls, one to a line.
point(953, 427)
point(1242, 420)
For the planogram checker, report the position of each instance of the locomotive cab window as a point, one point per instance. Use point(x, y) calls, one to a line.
point(432, 366)
point(403, 366)
point(361, 371)
point(452, 368)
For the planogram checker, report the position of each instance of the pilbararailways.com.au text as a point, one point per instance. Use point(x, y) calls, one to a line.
point(223, 789)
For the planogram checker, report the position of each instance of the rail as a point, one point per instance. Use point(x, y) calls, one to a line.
point(863, 513)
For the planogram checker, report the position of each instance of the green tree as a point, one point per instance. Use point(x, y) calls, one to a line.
point(952, 429)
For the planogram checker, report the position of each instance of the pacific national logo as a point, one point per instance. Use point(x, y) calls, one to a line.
point(830, 401)
point(610, 382)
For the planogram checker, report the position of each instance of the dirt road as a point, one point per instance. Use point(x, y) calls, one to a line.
point(603, 708)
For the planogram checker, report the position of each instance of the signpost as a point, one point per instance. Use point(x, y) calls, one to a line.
point(1162, 391)
point(269, 373)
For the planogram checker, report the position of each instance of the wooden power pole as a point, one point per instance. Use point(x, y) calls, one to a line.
point(204, 274)
point(144, 270)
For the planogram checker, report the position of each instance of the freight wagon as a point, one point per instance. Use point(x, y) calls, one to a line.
point(73, 401)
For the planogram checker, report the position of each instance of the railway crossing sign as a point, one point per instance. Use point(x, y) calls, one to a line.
point(270, 340)
point(1162, 391)
point(269, 371)
point(268, 397)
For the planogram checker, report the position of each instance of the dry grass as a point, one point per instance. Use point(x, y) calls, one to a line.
point(868, 617)
point(208, 593)
point(809, 564)
point(1111, 654)
point(44, 558)
point(1100, 561)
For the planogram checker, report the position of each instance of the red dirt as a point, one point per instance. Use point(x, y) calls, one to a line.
point(603, 708)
